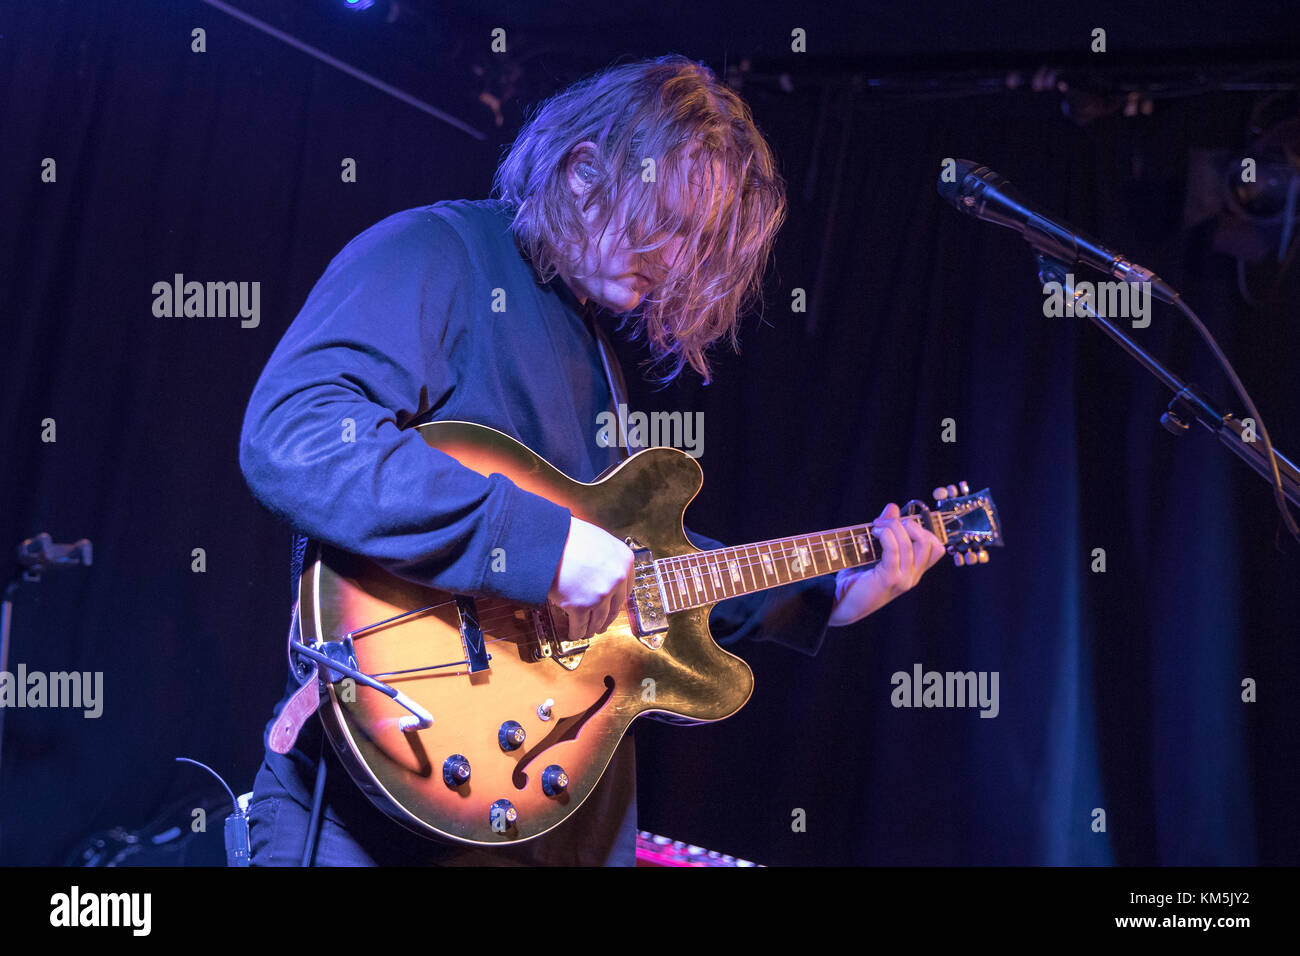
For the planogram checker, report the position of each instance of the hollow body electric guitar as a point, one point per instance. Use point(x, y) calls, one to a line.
point(479, 720)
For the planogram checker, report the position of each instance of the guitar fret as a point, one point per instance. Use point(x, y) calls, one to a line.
point(706, 580)
point(783, 553)
point(665, 595)
point(806, 559)
point(864, 544)
point(837, 556)
point(838, 544)
point(753, 565)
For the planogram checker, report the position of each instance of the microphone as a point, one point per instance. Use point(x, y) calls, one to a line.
point(980, 192)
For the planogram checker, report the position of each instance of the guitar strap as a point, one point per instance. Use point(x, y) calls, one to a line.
point(304, 701)
point(617, 385)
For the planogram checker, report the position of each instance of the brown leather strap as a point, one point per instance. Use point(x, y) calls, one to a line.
point(297, 711)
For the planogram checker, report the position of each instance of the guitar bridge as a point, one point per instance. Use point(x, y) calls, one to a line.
point(471, 635)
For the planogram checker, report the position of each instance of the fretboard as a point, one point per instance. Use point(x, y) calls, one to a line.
point(692, 580)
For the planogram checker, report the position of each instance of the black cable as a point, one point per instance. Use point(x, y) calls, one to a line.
point(238, 845)
point(313, 828)
point(235, 803)
point(1279, 496)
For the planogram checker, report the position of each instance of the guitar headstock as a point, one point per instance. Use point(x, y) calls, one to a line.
point(966, 523)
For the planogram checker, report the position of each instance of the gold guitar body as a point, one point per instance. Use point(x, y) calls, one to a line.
point(572, 702)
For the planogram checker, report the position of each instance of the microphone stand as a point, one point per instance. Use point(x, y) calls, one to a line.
point(35, 557)
point(1188, 404)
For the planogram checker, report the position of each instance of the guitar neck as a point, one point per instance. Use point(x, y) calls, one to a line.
point(705, 577)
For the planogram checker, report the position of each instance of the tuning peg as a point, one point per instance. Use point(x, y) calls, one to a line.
point(952, 491)
point(965, 488)
point(984, 556)
point(940, 493)
point(957, 559)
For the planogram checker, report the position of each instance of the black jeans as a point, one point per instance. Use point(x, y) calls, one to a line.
point(279, 824)
point(353, 832)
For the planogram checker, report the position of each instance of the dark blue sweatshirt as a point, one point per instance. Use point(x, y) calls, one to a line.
point(434, 313)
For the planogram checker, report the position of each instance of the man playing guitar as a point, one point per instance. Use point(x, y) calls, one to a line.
point(646, 192)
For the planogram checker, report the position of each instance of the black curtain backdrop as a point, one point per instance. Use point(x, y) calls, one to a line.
point(1119, 691)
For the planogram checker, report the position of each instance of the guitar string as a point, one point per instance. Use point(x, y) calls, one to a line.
point(747, 561)
point(491, 619)
point(744, 561)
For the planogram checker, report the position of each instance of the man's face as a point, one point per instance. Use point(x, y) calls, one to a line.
point(615, 278)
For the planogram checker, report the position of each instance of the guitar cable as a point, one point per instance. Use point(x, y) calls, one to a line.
point(236, 827)
point(313, 825)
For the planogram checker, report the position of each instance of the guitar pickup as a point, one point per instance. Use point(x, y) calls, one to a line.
point(471, 636)
point(647, 599)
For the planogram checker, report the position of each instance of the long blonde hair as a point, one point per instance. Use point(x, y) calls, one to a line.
point(662, 110)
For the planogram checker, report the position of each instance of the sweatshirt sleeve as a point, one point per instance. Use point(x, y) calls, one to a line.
point(796, 615)
point(327, 444)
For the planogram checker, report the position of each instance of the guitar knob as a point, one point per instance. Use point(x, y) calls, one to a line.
point(511, 735)
point(545, 708)
point(554, 780)
point(455, 770)
point(502, 816)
